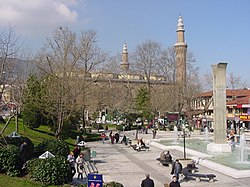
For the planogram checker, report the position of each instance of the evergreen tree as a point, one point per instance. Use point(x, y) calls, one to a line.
point(143, 103)
point(32, 98)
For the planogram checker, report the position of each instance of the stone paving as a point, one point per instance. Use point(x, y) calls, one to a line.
point(123, 164)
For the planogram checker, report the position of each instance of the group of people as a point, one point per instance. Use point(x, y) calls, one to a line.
point(165, 155)
point(114, 137)
point(148, 182)
point(176, 167)
point(77, 162)
point(175, 172)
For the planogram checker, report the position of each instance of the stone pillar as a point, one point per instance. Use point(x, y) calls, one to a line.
point(219, 96)
point(219, 111)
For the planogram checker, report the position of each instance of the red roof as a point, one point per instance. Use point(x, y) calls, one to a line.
point(230, 93)
point(240, 101)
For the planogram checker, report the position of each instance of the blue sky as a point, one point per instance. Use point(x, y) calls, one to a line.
point(216, 30)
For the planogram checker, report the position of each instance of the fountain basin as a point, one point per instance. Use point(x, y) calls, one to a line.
point(219, 148)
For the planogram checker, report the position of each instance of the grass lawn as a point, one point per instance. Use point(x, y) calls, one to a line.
point(42, 133)
point(36, 136)
point(7, 181)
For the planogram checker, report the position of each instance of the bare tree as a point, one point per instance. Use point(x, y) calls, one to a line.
point(13, 56)
point(66, 62)
point(57, 61)
point(112, 65)
point(166, 65)
point(235, 82)
point(10, 48)
point(91, 57)
point(208, 81)
point(146, 56)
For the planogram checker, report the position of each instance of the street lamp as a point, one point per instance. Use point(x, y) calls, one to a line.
point(184, 144)
point(182, 122)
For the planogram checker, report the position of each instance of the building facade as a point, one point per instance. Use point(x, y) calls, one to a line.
point(238, 109)
point(118, 91)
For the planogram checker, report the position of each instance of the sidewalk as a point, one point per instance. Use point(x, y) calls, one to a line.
point(121, 163)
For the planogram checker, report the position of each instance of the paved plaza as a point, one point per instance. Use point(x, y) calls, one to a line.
point(123, 164)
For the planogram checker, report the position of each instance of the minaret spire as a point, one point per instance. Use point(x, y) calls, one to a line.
point(180, 61)
point(125, 64)
point(181, 50)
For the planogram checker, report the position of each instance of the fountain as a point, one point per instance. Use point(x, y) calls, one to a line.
point(242, 147)
point(175, 134)
point(206, 134)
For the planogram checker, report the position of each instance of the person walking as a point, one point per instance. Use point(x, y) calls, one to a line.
point(147, 182)
point(76, 151)
point(80, 165)
point(154, 133)
point(103, 136)
point(117, 136)
point(23, 153)
point(176, 169)
point(71, 160)
point(174, 182)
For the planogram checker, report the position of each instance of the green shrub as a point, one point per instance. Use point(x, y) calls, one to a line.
point(97, 126)
point(82, 185)
point(49, 171)
point(10, 162)
point(57, 148)
point(119, 127)
point(113, 184)
point(17, 142)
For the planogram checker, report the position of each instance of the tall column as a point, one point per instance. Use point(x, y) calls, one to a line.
point(181, 51)
point(219, 96)
point(219, 103)
point(180, 62)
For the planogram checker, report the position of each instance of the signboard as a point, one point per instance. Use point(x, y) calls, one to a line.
point(172, 117)
point(95, 180)
point(245, 117)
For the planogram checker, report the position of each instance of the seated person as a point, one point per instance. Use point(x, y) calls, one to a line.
point(168, 157)
point(162, 156)
point(142, 143)
point(124, 140)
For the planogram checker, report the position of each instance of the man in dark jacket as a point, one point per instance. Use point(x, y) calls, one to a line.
point(174, 182)
point(176, 169)
point(147, 182)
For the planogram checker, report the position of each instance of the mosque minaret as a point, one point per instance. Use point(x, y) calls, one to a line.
point(181, 51)
point(125, 63)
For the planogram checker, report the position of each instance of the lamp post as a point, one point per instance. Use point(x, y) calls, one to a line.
point(182, 123)
point(184, 143)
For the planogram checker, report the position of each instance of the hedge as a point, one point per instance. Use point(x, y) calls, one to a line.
point(49, 171)
point(17, 141)
point(113, 184)
point(10, 162)
point(57, 148)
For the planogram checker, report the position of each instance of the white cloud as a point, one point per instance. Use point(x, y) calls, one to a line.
point(66, 12)
point(36, 17)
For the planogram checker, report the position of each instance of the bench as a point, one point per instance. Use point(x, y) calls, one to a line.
point(164, 162)
point(198, 176)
